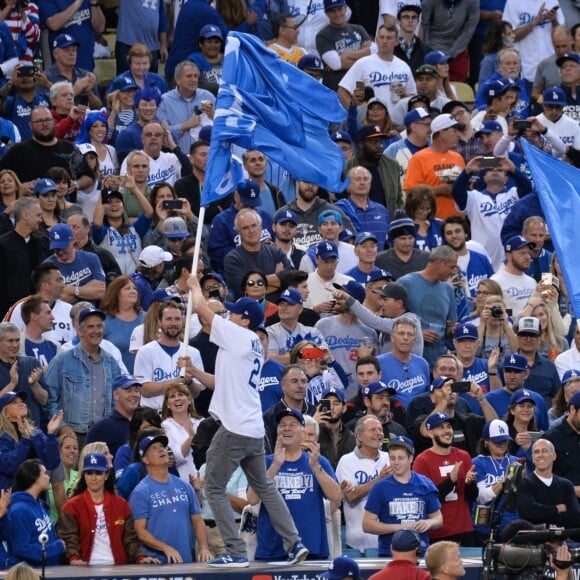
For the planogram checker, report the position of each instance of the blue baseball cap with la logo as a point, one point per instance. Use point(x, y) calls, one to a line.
point(466, 332)
point(285, 215)
point(326, 250)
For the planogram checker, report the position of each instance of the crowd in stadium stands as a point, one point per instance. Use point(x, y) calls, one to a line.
point(403, 342)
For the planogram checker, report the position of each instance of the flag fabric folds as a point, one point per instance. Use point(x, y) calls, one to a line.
point(559, 193)
point(267, 104)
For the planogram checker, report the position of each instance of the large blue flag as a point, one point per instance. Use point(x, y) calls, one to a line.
point(267, 104)
point(558, 188)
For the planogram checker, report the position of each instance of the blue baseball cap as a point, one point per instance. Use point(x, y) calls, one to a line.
point(415, 115)
point(363, 237)
point(496, 431)
point(249, 192)
point(466, 332)
point(125, 382)
point(146, 442)
point(516, 362)
point(488, 127)
point(8, 397)
point(330, 4)
point(341, 136)
point(213, 276)
point(332, 391)
point(329, 215)
point(554, 96)
point(437, 419)
point(292, 296)
point(310, 62)
point(247, 307)
point(522, 395)
point(84, 314)
point(60, 236)
point(210, 31)
point(377, 274)
point(44, 186)
point(516, 243)
point(436, 57)
point(407, 541)
point(568, 56)
point(64, 41)
point(575, 400)
point(376, 388)
point(205, 133)
point(124, 83)
point(326, 250)
point(571, 374)
point(401, 441)
point(354, 289)
point(175, 228)
point(285, 215)
point(494, 89)
point(161, 295)
point(95, 462)
point(438, 383)
point(342, 566)
point(288, 412)
point(346, 235)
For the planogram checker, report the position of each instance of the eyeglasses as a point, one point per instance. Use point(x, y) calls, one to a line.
point(153, 134)
point(409, 17)
point(43, 121)
point(251, 283)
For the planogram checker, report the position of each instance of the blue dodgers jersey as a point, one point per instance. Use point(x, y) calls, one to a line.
point(408, 379)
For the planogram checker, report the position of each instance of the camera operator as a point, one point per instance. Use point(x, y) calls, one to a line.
point(495, 329)
point(545, 498)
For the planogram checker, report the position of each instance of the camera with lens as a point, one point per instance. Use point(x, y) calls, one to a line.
point(497, 312)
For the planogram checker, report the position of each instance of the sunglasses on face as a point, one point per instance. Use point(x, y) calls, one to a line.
point(251, 283)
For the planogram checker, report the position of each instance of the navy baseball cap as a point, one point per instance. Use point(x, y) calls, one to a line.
point(288, 412)
point(292, 296)
point(363, 237)
point(122, 84)
point(326, 250)
point(90, 312)
point(354, 289)
point(329, 215)
point(370, 132)
point(488, 127)
point(466, 332)
point(212, 276)
point(516, 362)
point(60, 236)
point(448, 107)
point(342, 567)
point(310, 62)
point(335, 392)
point(341, 136)
point(125, 382)
point(496, 431)
point(396, 292)
point(406, 541)
point(161, 295)
point(568, 56)
point(211, 31)
point(554, 96)
point(247, 307)
point(346, 235)
point(146, 442)
point(407, 8)
point(330, 4)
point(415, 115)
point(575, 400)
point(401, 225)
point(285, 215)
point(436, 57)
point(377, 387)
point(438, 383)
point(205, 133)
point(401, 441)
point(522, 395)
point(437, 419)
point(249, 192)
point(8, 397)
point(569, 375)
point(64, 41)
point(44, 186)
point(494, 89)
point(95, 462)
point(377, 274)
point(516, 243)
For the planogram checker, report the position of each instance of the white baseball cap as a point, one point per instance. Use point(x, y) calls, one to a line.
point(445, 121)
point(152, 256)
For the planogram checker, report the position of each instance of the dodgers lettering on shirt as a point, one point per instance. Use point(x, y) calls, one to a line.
point(160, 374)
point(264, 237)
point(361, 477)
point(408, 379)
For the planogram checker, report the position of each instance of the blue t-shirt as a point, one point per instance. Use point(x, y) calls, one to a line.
point(500, 401)
point(43, 351)
point(478, 268)
point(119, 332)
point(269, 388)
point(303, 496)
point(476, 373)
point(141, 22)
point(434, 237)
point(397, 503)
point(408, 379)
point(167, 507)
point(18, 111)
point(79, 27)
point(83, 269)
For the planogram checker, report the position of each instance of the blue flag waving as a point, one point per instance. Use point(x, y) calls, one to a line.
point(267, 104)
point(557, 187)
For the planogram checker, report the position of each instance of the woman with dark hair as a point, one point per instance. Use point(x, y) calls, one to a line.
point(500, 34)
point(254, 285)
point(374, 112)
point(491, 467)
point(21, 440)
point(421, 207)
point(521, 421)
point(238, 16)
point(96, 524)
point(122, 306)
point(28, 518)
point(63, 181)
point(143, 417)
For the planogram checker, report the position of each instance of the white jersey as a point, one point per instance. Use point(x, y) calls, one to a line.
point(568, 360)
point(88, 200)
point(238, 365)
point(487, 214)
point(358, 469)
point(517, 290)
point(62, 330)
point(137, 336)
point(154, 364)
point(565, 127)
point(378, 73)
point(312, 18)
point(107, 346)
point(537, 45)
point(166, 168)
point(347, 259)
